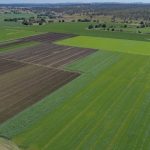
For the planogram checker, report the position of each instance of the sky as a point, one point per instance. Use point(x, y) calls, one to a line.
point(64, 1)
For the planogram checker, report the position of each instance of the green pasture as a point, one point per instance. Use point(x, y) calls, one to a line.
point(81, 29)
point(13, 30)
point(12, 33)
point(18, 30)
point(120, 45)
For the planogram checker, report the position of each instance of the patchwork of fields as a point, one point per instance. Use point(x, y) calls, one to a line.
point(106, 107)
point(35, 68)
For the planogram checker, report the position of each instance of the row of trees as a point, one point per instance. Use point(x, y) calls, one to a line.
point(13, 19)
point(104, 26)
point(32, 21)
point(25, 21)
point(84, 20)
point(143, 24)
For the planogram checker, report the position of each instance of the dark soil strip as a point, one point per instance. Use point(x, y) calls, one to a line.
point(21, 90)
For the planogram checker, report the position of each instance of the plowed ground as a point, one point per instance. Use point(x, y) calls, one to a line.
point(29, 74)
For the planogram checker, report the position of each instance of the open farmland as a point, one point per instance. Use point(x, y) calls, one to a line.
point(75, 76)
point(81, 29)
point(106, 107)
point(11, 33)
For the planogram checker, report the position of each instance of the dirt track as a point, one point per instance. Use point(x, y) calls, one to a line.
point(29, 74)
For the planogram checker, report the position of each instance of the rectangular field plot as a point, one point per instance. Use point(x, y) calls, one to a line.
point(116, 45)
point(46, 37)
point(22, 85)
point(49, 55)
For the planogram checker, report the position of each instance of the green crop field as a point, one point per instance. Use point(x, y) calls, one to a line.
point(127, 46)
point(11, 33)
point(106, 108)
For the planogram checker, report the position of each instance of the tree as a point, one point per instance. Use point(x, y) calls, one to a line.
point(96, 26)
point(141, 22)
point(104, 25)
point(142, 25)
point(125, 26)
point(90, 26)
point(112, 29)
point(25, 22)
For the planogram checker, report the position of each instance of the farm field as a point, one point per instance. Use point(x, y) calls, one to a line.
point(106, 107)
point(81, 29)
point(36, 67)
point(120, 45)
point(17, 80)
point(14, 32)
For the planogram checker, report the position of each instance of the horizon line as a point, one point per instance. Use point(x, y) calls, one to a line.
point(78, 3)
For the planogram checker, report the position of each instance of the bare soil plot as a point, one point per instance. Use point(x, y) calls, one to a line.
point(46, 37)
point(48, 54)
point(7, 66)
point(12, 43)
point(27, 84)
point(27, 75)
